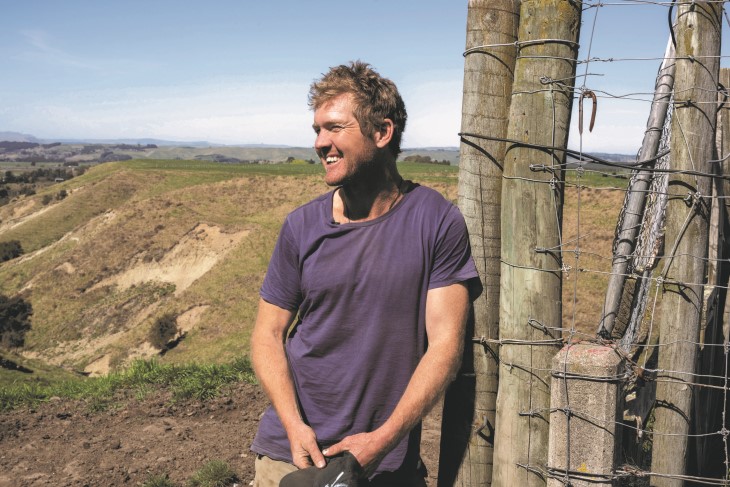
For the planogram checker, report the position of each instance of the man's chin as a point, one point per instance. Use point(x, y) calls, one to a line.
point(336, 180)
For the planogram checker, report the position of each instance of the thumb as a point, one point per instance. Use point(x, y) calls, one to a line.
point(317, 458)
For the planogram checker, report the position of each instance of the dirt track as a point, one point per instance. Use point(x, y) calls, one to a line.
point(62, 443)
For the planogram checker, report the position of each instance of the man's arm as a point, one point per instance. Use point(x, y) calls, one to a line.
point(447, 310)
point(272, 369)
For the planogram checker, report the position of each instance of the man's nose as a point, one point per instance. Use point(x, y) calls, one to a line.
point(322, 141)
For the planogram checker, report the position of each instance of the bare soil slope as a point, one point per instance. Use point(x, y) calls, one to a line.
point(62, 444)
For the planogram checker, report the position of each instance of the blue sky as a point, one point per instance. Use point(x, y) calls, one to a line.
point(238, 71)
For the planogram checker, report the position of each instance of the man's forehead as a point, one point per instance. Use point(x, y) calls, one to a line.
point(339, 108)
point(341, 101)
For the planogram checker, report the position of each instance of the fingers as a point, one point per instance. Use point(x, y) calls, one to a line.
point(308, 455)
point(334, 450)
point(304, 449)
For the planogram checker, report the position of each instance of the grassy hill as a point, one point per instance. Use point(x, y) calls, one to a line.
point(138, 240)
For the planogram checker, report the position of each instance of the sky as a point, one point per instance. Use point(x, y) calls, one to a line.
point(238, 71)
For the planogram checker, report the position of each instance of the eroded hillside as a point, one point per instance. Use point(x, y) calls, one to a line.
point(133, 242)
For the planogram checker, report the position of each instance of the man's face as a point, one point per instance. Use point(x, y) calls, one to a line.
point(343, 149)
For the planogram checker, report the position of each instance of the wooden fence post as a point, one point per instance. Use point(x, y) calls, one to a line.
point(531, 271)
point(707, 458)
point(467, 438)
point(685, 246)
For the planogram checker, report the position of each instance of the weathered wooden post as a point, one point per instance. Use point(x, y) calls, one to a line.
point(692, 145)
point(467, 438)
point(707, 458)
point(532, 203)
point(724, 151)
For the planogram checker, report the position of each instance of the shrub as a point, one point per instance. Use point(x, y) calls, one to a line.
point(14, 321)
point(163, 331)
point(10, 250)
point(47, 198)
point(158, 481)
point(215, 473)
point(61, 194)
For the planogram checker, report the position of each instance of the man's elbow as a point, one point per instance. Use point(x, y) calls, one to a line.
point(454, 365)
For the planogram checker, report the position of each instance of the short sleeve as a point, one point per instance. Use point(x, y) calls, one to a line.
point(282, 284)
point(452, 261)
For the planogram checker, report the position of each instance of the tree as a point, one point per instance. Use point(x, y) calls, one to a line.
point(163, 331)
point(15, 316)
point(10, 250)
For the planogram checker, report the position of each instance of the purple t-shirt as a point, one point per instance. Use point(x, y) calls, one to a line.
point(360, 292)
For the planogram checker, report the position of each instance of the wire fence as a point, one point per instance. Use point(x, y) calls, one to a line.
point(647, 274)
point(593, 187)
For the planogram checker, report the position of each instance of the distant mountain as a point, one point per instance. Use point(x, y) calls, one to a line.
point(436, 149)
point(158, 142)
point(170, 149)
point(17, 137)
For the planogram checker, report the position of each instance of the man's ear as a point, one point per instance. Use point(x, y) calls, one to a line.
point(384, 134)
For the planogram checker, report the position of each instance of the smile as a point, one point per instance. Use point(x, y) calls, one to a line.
point(332, 159)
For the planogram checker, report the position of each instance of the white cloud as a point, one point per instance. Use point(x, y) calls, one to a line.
point(273, 111)
point(41, 48)
point(231, 111)
point(434, 113)
point(619, 127)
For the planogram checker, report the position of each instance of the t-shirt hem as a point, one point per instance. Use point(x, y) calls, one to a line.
point(473, 284)
point(269, 453)
point(277, 302)
point(452, 280)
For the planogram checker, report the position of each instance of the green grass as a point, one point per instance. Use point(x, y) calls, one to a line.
point(159, 481)
point(595, 179)
point(215, 473)
point(188, 381)
point(31, 370)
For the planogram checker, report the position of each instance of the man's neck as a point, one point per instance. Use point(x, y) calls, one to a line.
point(368, 199)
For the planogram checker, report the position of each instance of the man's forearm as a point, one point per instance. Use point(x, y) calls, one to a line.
point(435, 371)
point(268, 358)
point(272, 369)
point(446, 314)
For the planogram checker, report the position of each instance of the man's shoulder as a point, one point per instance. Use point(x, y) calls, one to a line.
point(431, 200)
point(429, 194)
point(312, 207)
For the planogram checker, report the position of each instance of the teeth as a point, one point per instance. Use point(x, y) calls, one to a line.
point(332, 159)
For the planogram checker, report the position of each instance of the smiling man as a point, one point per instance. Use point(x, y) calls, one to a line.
point(378, 274)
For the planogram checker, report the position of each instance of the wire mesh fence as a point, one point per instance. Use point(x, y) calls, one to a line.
point(638, 253)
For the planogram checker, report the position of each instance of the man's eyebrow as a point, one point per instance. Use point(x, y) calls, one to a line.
point(315, 126)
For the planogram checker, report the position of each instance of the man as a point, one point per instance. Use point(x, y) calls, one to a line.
point(378, 274)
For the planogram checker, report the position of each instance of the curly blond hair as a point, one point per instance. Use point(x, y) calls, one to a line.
point(375, 97)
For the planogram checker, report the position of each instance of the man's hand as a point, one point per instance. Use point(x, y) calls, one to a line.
point(304, 449)
point(368, 448)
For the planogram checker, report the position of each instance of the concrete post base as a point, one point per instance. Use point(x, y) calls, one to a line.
point(585, 401)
